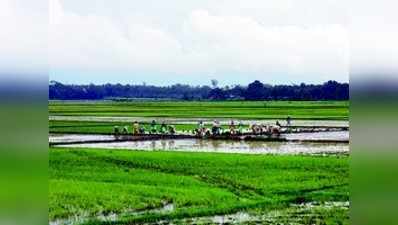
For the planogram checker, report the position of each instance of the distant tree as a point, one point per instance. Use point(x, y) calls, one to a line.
point(255, 91)
point(217, 94)
point(237, 92)
point(214, 83)
point(330, 90)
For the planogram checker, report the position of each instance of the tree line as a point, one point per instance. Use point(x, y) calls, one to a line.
point(256, 90)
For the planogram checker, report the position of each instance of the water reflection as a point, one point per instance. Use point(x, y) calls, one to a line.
point(200, 145)
point(153, 144)
point(171, 144)
point(226, 146)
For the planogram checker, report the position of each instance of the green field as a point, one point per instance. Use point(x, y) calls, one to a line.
point(298, 110)
point(317, 110)
point(138, 186)
point(87, 182)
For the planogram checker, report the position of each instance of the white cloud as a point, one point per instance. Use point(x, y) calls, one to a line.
point(201, 43)
point(96, 42)
point(282, 40)
point(251, 47)
point(374, 35)
point(23, 37)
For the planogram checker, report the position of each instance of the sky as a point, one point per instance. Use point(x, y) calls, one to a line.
point(179, 41)
point(165, 42)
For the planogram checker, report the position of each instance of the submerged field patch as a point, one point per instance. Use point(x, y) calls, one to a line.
point(221, 146)
point(189, 181)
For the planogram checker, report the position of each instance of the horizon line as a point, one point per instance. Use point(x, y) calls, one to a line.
point(195, 85)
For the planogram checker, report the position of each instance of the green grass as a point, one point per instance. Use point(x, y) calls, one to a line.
point(322, 110)
point(89, 182)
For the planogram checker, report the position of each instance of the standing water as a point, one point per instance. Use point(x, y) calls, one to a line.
point(225, 146)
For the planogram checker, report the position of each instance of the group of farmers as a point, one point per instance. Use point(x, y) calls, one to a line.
point(236, 129)
point(138, 128)
point(217, 129)
point(201, 129)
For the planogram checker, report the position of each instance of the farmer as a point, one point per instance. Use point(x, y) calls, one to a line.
point(125, 130)
point(200, 130)
point(116, 130)
point(253, 128)
point(172, 129)
point(136, 128)
point(142, 130)
point(232, 127)
point(240, 128)
point(288, 121)
point(201, 125)
point(215, 130)
point(163, 128)
point(153, 129)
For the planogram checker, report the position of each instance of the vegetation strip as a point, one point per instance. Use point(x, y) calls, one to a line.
point(325, 110)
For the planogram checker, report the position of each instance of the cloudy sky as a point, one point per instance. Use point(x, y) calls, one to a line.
point(165, 42)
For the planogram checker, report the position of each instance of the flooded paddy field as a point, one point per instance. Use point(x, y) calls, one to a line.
point(221, 146)
point(334, 135)
point(65, 138)
point(96, 179)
